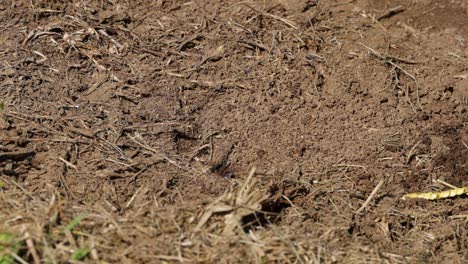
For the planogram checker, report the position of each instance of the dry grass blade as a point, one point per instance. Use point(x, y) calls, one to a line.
point(126, 128)
point(373, 193)
point(32, 249)
point(145, 146)
point(247, 201)
point(284, 20)
point(235, 206)
point(388, 60)
point(464, 144)
point(411, 152)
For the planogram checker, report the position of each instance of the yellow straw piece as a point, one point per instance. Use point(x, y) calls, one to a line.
point(437, 195)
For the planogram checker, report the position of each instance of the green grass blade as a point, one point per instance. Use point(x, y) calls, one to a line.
point(9, 245)
point(80, 254)
point(76, 221)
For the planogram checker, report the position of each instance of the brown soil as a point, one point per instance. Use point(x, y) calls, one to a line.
point(145, 118)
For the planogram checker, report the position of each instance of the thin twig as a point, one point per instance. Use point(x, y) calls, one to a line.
point(22, 189)
point(32, 249)
point(466, 146)
point(418, 98)
point(366, 203)
point(447, 184)
point(133, 197)
point(387, 60)
point(159, 153)
point(284, 20)
point(17, 258)
point(68, 164)
point(391, 12)
point(411, 152)
point(350, 165)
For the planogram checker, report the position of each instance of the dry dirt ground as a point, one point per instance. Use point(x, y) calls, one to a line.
point(233, 131)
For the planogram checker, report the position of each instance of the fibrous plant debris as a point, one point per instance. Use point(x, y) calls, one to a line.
point(236, 206)
point(128, 128)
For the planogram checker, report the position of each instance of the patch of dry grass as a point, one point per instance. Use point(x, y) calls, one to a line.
point(53, 230)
